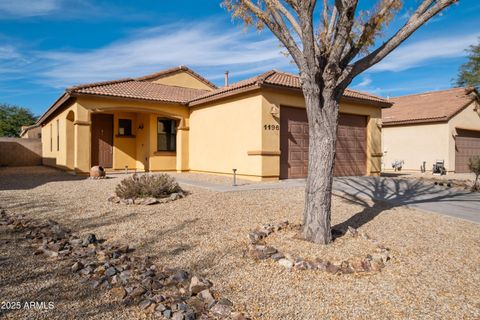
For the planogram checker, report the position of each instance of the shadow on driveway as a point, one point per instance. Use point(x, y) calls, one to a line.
point(377, 194)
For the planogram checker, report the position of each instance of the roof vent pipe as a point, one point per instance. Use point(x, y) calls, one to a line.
point(226, 78)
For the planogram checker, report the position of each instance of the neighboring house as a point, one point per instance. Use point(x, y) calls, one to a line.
point(441, 125)
point(177, 120)
point(31, 132)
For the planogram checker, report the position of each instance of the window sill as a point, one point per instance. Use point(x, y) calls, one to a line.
point(124, 136)
point(165, 153)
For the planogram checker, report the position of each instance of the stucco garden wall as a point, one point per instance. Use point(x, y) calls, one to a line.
point(19, 152)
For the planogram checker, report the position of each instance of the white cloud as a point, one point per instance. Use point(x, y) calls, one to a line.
point(28, 8)
point(422, 52)
point(208, 47)
point(66, 10)
point(366, 81)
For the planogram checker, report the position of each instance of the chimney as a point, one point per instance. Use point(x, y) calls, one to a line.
point(226, 78)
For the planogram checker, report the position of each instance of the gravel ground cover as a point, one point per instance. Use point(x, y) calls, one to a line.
point(25, 278)
point(434, 272)
point(457, 180)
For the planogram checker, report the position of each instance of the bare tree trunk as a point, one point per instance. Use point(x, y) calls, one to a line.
point(322, 111)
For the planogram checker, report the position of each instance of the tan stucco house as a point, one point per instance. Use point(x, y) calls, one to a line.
point(431, 126)
point(176, 120)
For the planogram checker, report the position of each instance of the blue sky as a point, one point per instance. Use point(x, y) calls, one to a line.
point(47, 45)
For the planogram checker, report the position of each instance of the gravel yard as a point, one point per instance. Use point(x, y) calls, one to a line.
point(434, 273)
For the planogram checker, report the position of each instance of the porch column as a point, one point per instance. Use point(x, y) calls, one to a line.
point(82, 126)
point(182, 146)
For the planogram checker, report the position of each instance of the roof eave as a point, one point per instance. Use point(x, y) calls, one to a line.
point(375, 103)
point(106, 96)
point(54, 107)
point(263, 85)
point(223, 95)
point(412, 122)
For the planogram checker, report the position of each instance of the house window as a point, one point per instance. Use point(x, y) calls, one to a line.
point(58, 135)
point(124, 127)
point(166, 135)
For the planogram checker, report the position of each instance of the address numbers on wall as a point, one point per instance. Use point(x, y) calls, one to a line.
point(271, 127)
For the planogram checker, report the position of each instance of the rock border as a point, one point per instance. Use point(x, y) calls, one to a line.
point(147, 201)
point(159, 291)
point(259, 250)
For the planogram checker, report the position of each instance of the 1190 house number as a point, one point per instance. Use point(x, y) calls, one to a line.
point(271, 127)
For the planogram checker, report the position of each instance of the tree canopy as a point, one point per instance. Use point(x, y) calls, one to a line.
point(12, 118)
point(469, 73)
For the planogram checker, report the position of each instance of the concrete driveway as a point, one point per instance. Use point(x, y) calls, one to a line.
point(390, 191)
point(413, 193)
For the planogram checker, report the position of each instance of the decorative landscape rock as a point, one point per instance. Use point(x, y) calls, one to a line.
point(261, 251)
point(197, 285)
point(132, 280)
point(286, 263)
point(97, 172)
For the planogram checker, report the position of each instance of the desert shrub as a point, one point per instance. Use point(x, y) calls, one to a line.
point(147, 185)
point(474, 166)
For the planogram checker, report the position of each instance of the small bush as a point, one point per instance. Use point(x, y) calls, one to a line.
point(474, 166)
point(146, 186)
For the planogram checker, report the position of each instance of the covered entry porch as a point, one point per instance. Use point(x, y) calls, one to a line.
point(139, 138)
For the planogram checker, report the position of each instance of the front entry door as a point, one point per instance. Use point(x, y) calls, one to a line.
point(102, 140)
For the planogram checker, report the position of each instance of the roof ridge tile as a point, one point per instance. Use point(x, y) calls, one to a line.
point(431, 92)
point(97, 84)
point(176, 69)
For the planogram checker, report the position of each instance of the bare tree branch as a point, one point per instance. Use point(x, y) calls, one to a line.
point(331, 25)
point(346, 10)
point(279, 30)
point(288, 15)
point(310, 48)
point(415, 22)
point(368, 32)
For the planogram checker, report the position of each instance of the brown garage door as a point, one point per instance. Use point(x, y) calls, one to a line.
point(351, 144)
point(467, 145)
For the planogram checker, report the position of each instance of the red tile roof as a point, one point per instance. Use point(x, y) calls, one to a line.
point(280, 80)
point(142, 90)
point(425, 107)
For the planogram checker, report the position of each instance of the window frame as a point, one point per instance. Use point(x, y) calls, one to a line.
point(168, 139)
point(130, 134)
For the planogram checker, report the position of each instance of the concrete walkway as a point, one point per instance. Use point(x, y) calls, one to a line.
point(394, 191)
